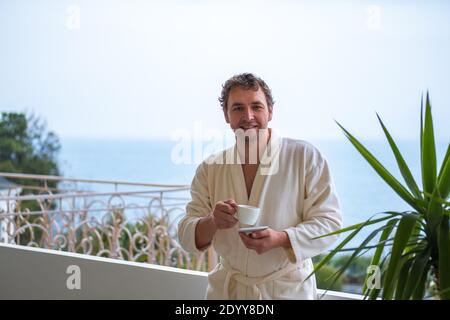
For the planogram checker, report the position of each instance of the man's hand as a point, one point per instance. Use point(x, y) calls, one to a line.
point(265, 240)
point(223, 214)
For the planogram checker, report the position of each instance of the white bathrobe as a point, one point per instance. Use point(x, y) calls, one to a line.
point(294, 190)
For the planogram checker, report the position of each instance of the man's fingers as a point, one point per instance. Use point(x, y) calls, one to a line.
point(231, 202)
point(251, 242)
point(226, 217)
point(225, 225)
point(228, 209)
point(224, 220)
point(245, 239)
point(259, 234)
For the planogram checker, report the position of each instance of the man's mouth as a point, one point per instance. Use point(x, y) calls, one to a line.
point(248, 127)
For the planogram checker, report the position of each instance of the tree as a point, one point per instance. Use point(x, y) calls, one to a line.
point(27, 147)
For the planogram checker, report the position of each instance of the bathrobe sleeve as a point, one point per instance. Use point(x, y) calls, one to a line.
point(198, 207)
point(321, 214)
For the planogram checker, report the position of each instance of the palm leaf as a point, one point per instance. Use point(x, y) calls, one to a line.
point(444, 176)
point(357, 226)
point(373, 293)
point(435, 212)
point(403, 278)
point(355, 253)
point(441, 292)
point(436, 198)
point(419, 293)
point(444, 256)
point(428, 151)
point(334, 274)
point(406, 173)
point(415, 236)
point(404, 230)
point(418, 266)
point(378, 252)
point(382, 171)
point(387, 242)
point(333, 252)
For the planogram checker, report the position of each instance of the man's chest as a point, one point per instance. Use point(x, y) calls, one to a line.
point(249, 171)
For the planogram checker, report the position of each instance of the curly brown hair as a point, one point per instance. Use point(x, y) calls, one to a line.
point(246, 81)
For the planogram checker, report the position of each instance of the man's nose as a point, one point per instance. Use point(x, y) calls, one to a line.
point(248, 114)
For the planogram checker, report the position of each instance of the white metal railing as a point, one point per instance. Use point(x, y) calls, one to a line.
point(134, 221)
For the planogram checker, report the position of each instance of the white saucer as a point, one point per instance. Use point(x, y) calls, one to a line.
point(252, 229)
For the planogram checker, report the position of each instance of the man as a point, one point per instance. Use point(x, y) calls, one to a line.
point(287, 179)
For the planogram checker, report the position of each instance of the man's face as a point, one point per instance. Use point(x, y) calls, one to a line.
point(247, 110)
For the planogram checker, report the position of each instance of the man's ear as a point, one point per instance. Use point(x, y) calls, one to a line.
point(270, 113)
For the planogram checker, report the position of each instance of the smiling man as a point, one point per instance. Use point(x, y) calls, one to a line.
point(289, 180)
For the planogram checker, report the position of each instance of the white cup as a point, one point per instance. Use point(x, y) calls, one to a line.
point(247, 215)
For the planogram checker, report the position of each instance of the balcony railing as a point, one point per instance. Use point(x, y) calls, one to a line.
point(121, 220)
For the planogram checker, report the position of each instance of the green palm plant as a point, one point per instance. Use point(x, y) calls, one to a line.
point(412, 248)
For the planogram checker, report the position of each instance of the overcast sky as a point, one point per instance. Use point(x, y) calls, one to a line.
point(143, 69)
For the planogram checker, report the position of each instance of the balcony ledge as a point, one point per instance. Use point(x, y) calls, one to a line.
point(35, 273)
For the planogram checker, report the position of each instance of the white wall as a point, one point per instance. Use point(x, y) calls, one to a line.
point(34, 273)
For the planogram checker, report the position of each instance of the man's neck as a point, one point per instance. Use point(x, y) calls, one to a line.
point(254, 149)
